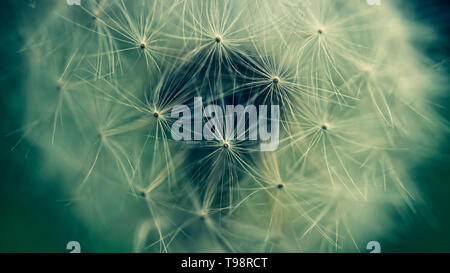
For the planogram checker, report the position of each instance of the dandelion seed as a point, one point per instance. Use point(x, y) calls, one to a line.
point(203, 215)
point(95, 14)
point(59, 85)
point(142, 194)
point(101, 135)
point(275, 80)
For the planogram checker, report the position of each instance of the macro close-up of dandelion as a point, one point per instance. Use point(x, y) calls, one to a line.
point(229, 125)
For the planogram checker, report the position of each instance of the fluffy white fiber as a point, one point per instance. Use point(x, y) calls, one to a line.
point(354, 96)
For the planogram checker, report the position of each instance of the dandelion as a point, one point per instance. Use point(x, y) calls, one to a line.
point(354, 97)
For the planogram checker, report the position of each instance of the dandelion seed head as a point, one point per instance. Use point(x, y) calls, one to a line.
point(218, 38)
point(325, 63)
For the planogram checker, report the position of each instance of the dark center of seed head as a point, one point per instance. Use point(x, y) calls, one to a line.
point(226, 145)
point(276, 80)
point(59, 85)
point(324, 127)
point(155, 114)
point(142, 46)
point(320, 31)
point(95, 14)
point(280, 186)
point(218, 38)
point(203, 215)
point(142, 194)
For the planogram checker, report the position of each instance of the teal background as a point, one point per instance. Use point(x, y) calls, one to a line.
point(33, 217)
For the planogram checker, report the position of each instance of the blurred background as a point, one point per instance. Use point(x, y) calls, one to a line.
point(34, 217)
